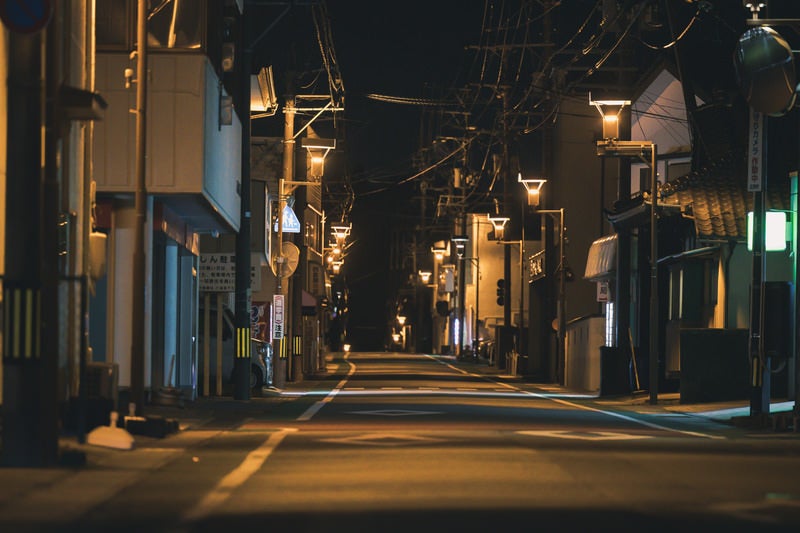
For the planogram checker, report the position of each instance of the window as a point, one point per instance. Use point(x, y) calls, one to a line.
point(174, 24)
point(171, 24)
point(111, 23)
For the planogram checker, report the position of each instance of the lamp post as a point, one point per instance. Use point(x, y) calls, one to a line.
point(476, 334)
point(533, 187)
point(765, 72)
point(611, 146)
point(460, 241)
point(439, 249)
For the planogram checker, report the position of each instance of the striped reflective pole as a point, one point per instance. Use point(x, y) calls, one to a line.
point(243, 343)
point(22, 312)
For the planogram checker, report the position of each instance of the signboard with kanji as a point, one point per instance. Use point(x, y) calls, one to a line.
point(277, 316)
point(217, 272)
point(756, 152)
point(536, 266)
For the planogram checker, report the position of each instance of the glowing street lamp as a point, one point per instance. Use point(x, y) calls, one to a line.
point(499, 224)
point(340, 231)
point(461, 243)
point(610, 111)
point(318, 150)
point(439, 249)
point(533, 186)
point(425, 276)
point(401, 320)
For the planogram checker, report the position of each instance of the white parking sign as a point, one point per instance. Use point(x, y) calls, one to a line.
point(277, 316)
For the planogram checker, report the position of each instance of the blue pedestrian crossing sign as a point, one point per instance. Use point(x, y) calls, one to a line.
point(290, 222)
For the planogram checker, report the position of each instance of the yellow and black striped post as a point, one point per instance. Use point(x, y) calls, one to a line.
point(297, 345)
point(21, 323)
point(284, 348)
point(241, 365)
point(243, 343)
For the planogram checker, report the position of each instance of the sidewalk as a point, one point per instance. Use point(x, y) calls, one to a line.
point(733, 412)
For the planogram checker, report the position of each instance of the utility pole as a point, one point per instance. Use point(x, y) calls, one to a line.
point(138, 318)
point(508, 183)
point(462, 283)
point(30, 357)
point(654, 329)
point(241, 361)
point(757, 183)
point(280, 291)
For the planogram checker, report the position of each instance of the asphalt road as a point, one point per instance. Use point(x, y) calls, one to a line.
point(399, 442)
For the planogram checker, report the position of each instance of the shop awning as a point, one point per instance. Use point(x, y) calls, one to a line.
point(602, 259)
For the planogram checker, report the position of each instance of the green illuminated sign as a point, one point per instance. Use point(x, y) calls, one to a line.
point(775, 236)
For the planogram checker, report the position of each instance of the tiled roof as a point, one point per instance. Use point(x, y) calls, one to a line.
point(718, 201)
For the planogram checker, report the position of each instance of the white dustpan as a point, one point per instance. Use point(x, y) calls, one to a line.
point(111, 436)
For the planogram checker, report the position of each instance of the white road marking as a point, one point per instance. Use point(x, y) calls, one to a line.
point(584, 435)
point(395, 412)
point(383, 439)
point(584, 407)
point(314, 409)
point(236, 477)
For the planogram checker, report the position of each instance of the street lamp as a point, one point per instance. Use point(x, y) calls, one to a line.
point(318, 150)
point(439, 249)
point(341, 231)
point(461, 242)
point(610, 110)
point(425, 276)
point(498, 224)
point(533, 186)
point(611, 146)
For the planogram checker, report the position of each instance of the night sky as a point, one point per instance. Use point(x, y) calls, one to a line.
point(417, 49)
point(399, 49)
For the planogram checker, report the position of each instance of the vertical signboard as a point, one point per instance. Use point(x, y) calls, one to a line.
point(277, 316)
point(755, 153)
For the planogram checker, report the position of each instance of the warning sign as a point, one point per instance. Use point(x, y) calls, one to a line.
point(277, 316)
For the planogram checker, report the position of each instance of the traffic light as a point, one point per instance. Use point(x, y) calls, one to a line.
point(501, 291)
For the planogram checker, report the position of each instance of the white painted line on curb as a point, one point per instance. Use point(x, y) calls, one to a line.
point(314, 409)
point(236, 477)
